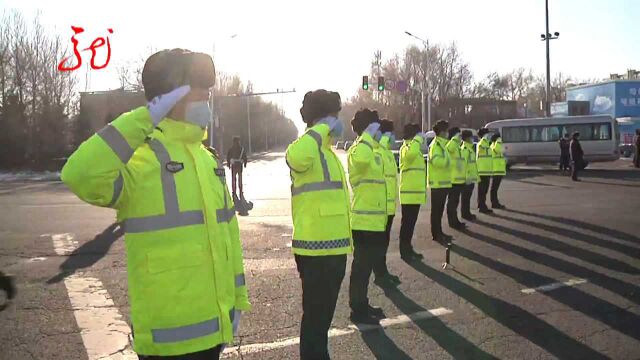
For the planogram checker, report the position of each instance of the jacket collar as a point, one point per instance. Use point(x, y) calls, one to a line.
point(180, 131)
point(368, 138)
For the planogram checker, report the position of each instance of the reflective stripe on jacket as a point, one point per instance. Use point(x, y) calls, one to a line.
point(439, 168)
point(484, 160)
point(413, 173)
point(366, 177)
point(390, 174)
point(319, 196)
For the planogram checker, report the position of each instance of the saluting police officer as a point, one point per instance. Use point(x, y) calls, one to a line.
point(184, 255)
point(458, 178)
point(368, 212)
point(320, 210)
point(471, 171)
point(439, 177)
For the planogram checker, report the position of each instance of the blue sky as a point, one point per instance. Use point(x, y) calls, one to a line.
point(329, 44)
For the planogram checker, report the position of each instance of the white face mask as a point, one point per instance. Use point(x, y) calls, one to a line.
point(198, 113)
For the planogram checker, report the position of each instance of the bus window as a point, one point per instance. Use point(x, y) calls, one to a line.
point(550, 133)
point(585, 130)
point(515, 134)
point(536, 134)
point(602, 132)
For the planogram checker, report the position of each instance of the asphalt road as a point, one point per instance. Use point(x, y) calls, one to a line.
point(557, 275)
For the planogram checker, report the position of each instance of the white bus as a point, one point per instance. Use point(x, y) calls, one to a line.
point(533, 141)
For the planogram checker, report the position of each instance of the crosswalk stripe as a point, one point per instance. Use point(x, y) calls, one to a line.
point(333, 332)
point(553, 286)
point(104, 334)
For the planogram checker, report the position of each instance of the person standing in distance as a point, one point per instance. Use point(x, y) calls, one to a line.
point(636, 153)
point(184, 255)
point(577, 156)
point(380, 269)
point(484, 162)
point(368, 212)
point(320, 211)
point(236, 161)
point(413, 188)
point(565, 156)
point(458, 178)
point(439, 177)
point(499, 169)
point(469, 157)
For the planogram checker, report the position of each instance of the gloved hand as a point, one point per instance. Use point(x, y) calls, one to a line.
point(236, 322)
point(161, 105)
point(372, 129)
point(388, 134)
point(336, 126)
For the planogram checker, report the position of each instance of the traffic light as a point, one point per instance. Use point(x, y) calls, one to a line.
point(380, 83)
point(365, 83)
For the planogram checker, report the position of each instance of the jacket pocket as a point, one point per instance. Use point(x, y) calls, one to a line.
point(161, 262)
point(333, 209)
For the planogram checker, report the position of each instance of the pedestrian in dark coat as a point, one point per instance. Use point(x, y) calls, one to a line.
point(577, 156)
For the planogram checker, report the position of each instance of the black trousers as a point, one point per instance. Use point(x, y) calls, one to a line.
point(438, 200)
point(321, 279)
point(565, 162)
point(368, 251)
point(483, 189)
point(575, 168)
point(495, 186)
point(210, 354)
point(453, 200)
point(465, 208)
point(380, 267)
point(407, 226)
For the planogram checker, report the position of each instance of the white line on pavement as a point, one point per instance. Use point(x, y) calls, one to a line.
point(53, 205)
point(401, 319)
point(549, 287)
point(104, 334)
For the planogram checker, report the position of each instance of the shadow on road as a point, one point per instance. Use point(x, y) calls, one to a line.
point(515, 318)
point(452, 342)
point(89, 253)
point(624, 289)
point(609, 314)
point(574, 235)
point(382, 346)
point(569, 250)
point(581, 224)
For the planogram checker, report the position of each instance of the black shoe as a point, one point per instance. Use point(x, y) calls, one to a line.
point(386, 281)
point(416, 255)
point(363, 317)
point(486, 211)
point(376, 312)
point(469, 217)
point(447, 237)
point(499, 207)
point(576, 179)
point(458, 226)
point(7, 284)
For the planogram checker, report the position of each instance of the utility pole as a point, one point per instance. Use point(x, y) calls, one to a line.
point(425, 86)
point(548, 37)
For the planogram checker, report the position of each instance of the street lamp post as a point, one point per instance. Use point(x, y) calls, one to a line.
point(548, 37)
point(424, 87)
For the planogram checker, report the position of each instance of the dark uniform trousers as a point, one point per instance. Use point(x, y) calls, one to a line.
point(438, 200)
point(483, 188)
point(321, 279)
point(495, 186)
point(453, 200)
point(368, 251)
point(407, 226)
point(465, 208)
point(210, 354)
point(380, 267)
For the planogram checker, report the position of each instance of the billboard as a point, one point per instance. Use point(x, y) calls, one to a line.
point(615, 98)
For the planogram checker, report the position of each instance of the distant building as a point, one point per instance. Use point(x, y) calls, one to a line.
point(618, 98)
point(475, 113)
point(101, 107)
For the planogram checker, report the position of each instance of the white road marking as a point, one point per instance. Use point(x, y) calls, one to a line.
point(549, 287)
point(104, 334)
point(402, 319)
point(53, 205)
point(37, 259)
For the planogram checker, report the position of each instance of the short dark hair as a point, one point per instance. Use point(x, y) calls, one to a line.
point(363, 118)
point(495, 137)
point(453, 131)
point(440, 125)
point(167, 70)
point(410, 131)
point(466, 134)
point(386, 125)
point(483, 131)
point(318, 104)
